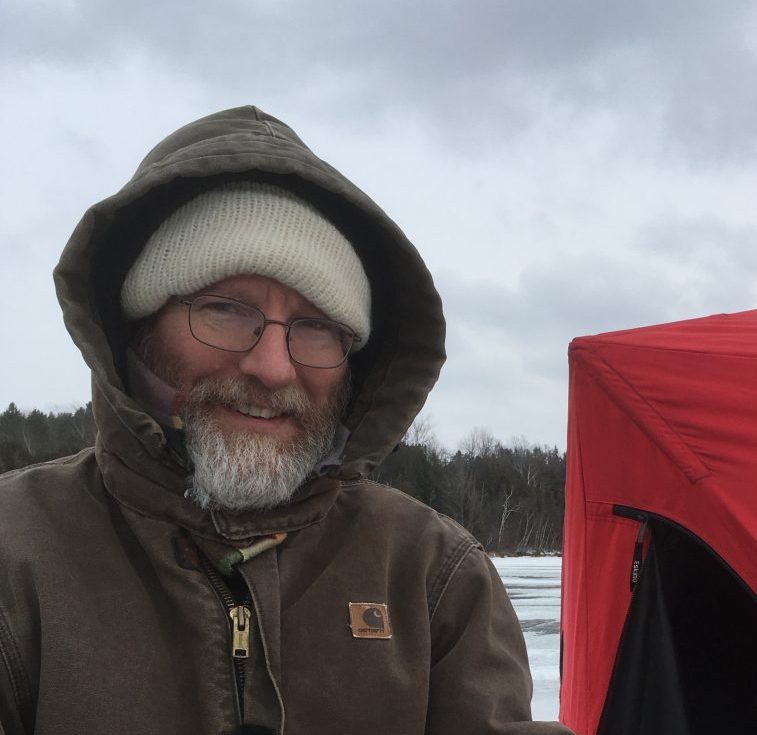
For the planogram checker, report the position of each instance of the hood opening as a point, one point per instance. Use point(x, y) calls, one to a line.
point(392, 373)
point(124, 238)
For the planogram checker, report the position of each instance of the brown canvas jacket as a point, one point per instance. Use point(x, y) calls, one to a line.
point(111, 618)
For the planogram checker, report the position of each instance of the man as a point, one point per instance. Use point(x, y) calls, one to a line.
point(260, 336)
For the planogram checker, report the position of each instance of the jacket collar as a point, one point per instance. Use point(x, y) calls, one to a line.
point(148, 478)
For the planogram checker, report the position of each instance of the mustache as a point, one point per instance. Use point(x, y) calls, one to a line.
point(290, 400)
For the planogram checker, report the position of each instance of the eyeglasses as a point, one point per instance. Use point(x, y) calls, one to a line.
point(228, 324)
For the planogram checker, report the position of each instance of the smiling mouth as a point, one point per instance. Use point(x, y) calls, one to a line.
point(257, 412)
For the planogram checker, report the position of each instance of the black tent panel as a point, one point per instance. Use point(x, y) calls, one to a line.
point(687, 659)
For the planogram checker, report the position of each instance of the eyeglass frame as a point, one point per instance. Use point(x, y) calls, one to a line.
point(189, 301)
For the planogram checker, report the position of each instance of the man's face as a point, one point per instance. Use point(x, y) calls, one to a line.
point(256, 422)
point(267, 365)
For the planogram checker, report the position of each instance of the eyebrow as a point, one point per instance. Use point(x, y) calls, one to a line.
point(239, 296)
point(226, 293)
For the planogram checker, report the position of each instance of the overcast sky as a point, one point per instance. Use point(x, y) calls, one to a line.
point(564, 167)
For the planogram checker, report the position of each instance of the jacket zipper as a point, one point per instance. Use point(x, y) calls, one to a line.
point(240, 616)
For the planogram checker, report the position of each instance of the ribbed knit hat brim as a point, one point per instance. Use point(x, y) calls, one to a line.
point(250, 228)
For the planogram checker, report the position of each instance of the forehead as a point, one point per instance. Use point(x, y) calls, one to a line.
point(261, 291)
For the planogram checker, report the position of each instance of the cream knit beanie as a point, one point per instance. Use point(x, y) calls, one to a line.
point(250, 228)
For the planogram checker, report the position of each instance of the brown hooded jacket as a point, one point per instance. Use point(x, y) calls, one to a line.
point(111, 618)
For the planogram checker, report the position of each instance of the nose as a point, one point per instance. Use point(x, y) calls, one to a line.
point(269, 359)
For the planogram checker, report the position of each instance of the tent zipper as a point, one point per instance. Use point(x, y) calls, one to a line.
point(644, 517)
point(638, 555)
point(638, 547)
point(240, 616)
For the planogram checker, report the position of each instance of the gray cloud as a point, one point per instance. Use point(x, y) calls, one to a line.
point(680, 70)
point(565, 167)
point(507, 345)
point(681, 271)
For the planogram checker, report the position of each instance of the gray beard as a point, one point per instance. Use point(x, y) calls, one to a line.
point(248, 471)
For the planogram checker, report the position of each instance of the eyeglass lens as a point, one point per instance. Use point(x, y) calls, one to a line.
point(232, 325)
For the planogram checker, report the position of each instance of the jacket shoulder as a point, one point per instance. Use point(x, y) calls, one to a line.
point(43, 475)
point(387, 504)
point(416, 538)
point(40, 497)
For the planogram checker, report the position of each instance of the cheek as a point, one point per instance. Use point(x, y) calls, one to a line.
point(324, 384)
point(176, 355)
point(192, 361)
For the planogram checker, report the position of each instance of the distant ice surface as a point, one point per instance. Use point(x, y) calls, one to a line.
point(533, 583)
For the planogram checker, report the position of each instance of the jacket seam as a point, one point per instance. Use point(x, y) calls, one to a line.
point(161, 166)
point(57, 462)
point(445, 574)
point(365, 481)
point(449, 566)
point(14, 666)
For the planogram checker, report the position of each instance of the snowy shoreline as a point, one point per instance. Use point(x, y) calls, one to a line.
point(533, 584)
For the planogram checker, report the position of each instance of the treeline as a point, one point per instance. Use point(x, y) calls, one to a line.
point(37, 437)
point(510, 497)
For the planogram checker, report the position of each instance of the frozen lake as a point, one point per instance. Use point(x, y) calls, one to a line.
point(533, 584)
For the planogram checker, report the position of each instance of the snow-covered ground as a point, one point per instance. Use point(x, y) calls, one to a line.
point(533, 584)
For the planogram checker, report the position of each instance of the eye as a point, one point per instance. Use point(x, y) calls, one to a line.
point(321, 331)
point(316, 325)
point(219, 306)
point(319, 327)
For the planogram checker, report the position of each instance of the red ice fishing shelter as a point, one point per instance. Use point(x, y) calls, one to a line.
point(659, 613)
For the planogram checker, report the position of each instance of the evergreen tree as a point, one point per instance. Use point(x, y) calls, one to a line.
point(509, 497)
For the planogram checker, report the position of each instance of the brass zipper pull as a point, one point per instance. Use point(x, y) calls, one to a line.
point(240, 621)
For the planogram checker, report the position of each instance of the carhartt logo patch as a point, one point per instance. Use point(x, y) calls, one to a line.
point(370, 620)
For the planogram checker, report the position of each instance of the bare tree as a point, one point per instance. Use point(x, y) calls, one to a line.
point(538, 535)
point(479, 443)
point(507, 509)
